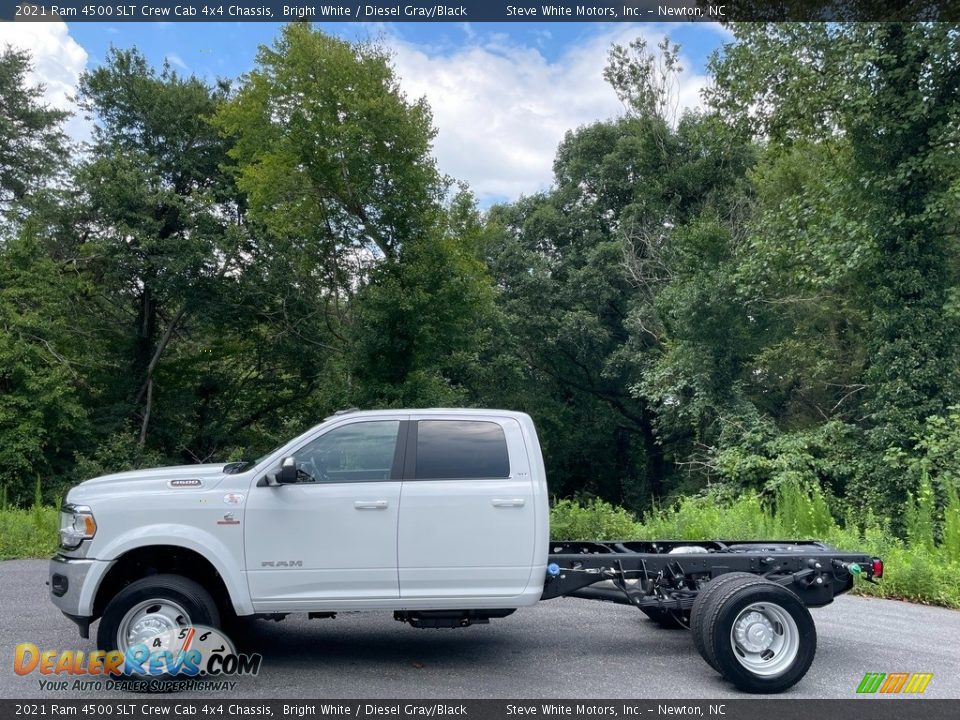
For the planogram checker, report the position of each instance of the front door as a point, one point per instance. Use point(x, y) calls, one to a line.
point(332, 536)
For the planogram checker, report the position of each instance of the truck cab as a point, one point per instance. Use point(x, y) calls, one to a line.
point(439, 513)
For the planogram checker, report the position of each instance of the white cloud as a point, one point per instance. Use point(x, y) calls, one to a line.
point(58, 60)
point(501, 109)
point(175, 59)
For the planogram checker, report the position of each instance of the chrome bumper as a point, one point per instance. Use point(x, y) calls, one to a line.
point(67, 580)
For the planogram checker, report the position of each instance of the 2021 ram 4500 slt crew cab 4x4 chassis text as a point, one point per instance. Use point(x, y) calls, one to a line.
point(438, 515)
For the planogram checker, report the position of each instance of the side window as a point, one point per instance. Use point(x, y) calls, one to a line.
point(461, 449)
point(359, 452)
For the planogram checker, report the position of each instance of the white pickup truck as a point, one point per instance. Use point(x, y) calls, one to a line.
point(438, 515)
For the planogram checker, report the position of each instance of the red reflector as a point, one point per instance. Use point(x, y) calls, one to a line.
point(877, 568)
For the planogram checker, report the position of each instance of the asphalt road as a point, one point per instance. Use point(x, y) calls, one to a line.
point(561, 649)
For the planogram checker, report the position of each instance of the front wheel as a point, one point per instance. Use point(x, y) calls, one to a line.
point(758, 634)
point(153, 607)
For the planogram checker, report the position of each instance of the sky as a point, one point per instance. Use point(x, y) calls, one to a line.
point(502, 94)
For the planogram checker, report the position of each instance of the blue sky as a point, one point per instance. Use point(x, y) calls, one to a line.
point(212, 49)
point(502, 94)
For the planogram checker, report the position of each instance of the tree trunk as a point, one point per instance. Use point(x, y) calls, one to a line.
point(148, 385)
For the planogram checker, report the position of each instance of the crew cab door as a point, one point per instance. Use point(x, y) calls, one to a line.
point(467, 526)
point(332, 536)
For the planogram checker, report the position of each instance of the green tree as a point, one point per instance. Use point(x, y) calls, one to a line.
point(330, 152)
point(421, 325)
point(870, 110)
point(646, 82)
point(581, 270)
point(32, 143)
point(380, 283)
point(41, 415)
point(43, 420)
point(156, 224)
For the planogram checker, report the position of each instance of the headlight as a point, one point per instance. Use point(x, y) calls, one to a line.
point(76, 525)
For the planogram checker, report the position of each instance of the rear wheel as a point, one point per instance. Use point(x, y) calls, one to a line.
point(697, 613)
point(759, 635)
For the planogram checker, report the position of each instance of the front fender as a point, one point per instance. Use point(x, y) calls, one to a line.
point(200, 541)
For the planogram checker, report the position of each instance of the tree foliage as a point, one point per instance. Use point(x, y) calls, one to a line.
point(762, 294)
point(329, 151)
point(861, 122)
point(32, 143)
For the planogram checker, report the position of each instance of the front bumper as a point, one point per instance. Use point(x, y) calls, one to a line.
point(70, 587)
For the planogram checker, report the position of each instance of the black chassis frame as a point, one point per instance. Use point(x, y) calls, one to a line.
point(648, 575)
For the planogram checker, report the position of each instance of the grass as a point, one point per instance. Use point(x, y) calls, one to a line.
point(31, 532)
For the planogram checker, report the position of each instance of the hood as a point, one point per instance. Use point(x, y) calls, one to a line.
point(153, 479)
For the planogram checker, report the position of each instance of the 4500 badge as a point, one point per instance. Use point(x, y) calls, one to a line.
point(184, 652)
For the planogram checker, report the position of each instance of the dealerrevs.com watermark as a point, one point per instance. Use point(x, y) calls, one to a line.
point(193, 658)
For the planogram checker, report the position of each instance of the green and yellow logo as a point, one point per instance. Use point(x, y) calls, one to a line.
point(891, 683)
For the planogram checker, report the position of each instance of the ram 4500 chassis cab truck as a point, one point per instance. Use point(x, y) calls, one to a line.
point(440, 516)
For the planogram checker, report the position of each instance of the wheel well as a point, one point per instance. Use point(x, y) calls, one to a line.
point(155, 559)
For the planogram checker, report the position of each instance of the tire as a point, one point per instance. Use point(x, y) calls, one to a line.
point(668, 619)
point(179, 601)
point(760, 635)
point(698, 611)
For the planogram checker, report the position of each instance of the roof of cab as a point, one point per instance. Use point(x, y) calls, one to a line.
point(425, 412)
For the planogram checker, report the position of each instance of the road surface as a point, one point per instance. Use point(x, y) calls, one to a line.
point(560, 649)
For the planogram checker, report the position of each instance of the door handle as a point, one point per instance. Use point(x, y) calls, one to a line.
point(370, 504)
point(512, 502)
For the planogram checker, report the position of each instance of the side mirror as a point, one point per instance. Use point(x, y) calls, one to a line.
point(288, 471)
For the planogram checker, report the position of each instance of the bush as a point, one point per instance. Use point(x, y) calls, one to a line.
point(919, 516)
point(593, 520)
point(710, 517)
point(951, 526)
point(760, 457)
point(803, 512)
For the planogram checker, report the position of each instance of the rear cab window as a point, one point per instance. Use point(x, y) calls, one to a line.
point(460, 450)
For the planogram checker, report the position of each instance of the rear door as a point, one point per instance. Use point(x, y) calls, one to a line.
point(466, 525)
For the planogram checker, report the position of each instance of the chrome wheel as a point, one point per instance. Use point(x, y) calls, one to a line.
point(145, 620)
point(765, 639)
